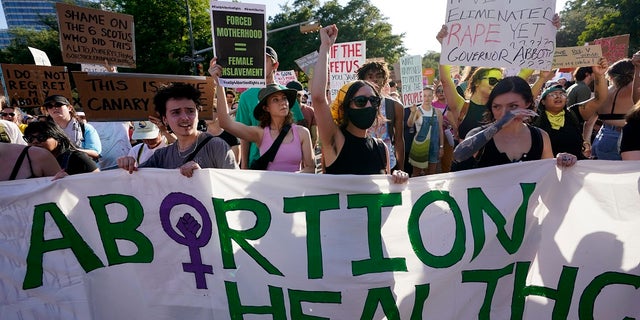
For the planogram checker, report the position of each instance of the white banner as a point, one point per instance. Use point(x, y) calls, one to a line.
point(520, 241)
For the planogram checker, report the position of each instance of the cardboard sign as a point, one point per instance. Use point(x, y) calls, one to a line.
point(307, 63)
point(582, 56)
point(411, 75)
point(614, 48)
point(129, 96)
point(93, 36)
point(284, 77)
point(239, 40)
point(499, 33)
point(344, 61)
point(28, 85)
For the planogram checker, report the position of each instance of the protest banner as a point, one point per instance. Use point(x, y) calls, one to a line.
point(614, 48)
point(307, 63)
point(284, 77)
point(28, 85)
point(239, 41)
point(129, 96)
point(582, 56)
point(93, 36)
point(344, 61)
point(501, 33)
point(519, 241)
point(411, 77)
point(40, 57)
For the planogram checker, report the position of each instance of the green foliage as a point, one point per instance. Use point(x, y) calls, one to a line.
point(18, 52)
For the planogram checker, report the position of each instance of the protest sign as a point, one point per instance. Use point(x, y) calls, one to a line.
point(307, 63)
point(39, 57)
point(582, 56)
point(284, 77)
point(28, 85)
point(93, 36)
point(344, 61)
point(129, 96)
point(239, 40)
point(88, 67)
point(614, 48)
point(519, 241)
point(411, 77)
point(501, 33)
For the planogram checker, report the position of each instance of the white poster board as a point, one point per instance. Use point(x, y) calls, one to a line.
point(344, 61)
point(411, 76)
point(40, 57)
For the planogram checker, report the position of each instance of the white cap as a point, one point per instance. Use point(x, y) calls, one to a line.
point(144, 130)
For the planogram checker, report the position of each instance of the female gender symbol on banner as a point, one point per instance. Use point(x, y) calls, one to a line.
point(189, 226)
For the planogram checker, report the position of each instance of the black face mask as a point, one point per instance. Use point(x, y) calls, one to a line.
point(362, 118)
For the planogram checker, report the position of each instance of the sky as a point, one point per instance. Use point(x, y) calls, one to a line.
point(418, 19)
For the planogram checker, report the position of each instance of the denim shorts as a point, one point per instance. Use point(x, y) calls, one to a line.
point(607, 142)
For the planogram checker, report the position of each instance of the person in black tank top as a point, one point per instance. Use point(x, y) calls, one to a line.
point(508, 138)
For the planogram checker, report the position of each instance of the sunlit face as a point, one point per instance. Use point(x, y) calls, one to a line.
point(555, 101)
point(277, 104)
point(507, 102)
point(427, 94)
point(182, 116)
point(440, 94)
point(377, 78)
point(271, 66)
point(9, 114)
point(58, 111)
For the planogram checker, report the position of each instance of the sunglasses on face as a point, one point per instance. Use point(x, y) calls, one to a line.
point(492, 80)
point(558, 94)
point(10, 114)
point(361, 101)
point(53, 105)
point(33, 139)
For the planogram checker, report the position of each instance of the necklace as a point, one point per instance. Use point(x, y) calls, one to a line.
point(182, 154)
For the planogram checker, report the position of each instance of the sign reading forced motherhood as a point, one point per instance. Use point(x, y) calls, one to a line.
point(499, 33)
point(239, 41)
point(519, 241)
point(93, 36)
point(27, 85)
point(106, 96)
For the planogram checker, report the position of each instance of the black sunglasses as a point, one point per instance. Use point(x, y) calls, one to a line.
point(492, 81)
point(53, 105)
point(32, 139)
point(361, 101)
point(4, 114)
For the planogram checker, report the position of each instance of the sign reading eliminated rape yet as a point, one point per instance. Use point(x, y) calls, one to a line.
point(28, 85)
point(518, 241)
point(614, 48)
point(93, 36)
point(411, 77)
point(239, 41)
point(129, 96)
point(499, 33)
point(307, 63)
point(581, 56)
point(344, 61)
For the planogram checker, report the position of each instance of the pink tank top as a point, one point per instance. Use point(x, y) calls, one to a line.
point(289, 156)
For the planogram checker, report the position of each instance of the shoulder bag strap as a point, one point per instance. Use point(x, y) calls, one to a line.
point(18, 164)
point(463, 111)
point(271, 153)
point(198, 147)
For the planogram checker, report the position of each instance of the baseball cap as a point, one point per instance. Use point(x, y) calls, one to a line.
point(272, 53)
point(144, 130)
point(56, 98)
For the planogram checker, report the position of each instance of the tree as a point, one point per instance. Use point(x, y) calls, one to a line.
point(18, 52)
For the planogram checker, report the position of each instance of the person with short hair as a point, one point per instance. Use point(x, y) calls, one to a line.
point(178, 104)
point(12, 114)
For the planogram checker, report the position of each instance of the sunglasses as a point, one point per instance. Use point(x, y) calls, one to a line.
point(33, 139)
point(492, 81)
point(558, 94)
point(10, 114)
point(361, 101)
point(53, 105)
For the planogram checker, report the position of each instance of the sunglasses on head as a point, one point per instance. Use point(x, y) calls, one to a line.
point(53, 105)
point(4, 114)
point(492, 81)
point(361, 101)
point(33, 139)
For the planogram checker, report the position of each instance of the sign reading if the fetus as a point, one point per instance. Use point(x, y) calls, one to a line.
point(344, 61)
point(499, 33)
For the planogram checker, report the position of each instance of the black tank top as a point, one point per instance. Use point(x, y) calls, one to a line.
point(491, 156)
point(359, 156)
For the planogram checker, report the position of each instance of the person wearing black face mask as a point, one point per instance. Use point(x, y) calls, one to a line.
point(346, 147)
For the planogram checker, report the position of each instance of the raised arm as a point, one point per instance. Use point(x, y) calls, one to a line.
point(240, 130)
point(542, 79)
point(454, 100)
point(589, 107)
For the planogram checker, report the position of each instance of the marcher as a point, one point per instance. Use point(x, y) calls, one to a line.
point(346, 147)
point(152, 140)
point(630, 142)
point(428, 144)
point(179, 105)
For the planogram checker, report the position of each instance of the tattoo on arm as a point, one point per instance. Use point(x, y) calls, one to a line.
point(469, 146)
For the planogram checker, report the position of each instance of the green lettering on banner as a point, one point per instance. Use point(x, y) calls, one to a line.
point(123, 230)
point(237, 310)
point(422, 293)
point(591, 292)
point(384, 297)
point(479, 203)
point(226, 234)
point(70, 239)
point(377, 262)
point(296, 297)
point(562, 295)
point(312, 206)
point(490, 277)
point(413, 227)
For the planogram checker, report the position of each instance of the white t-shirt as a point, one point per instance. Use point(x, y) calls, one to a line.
point(146, 152)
